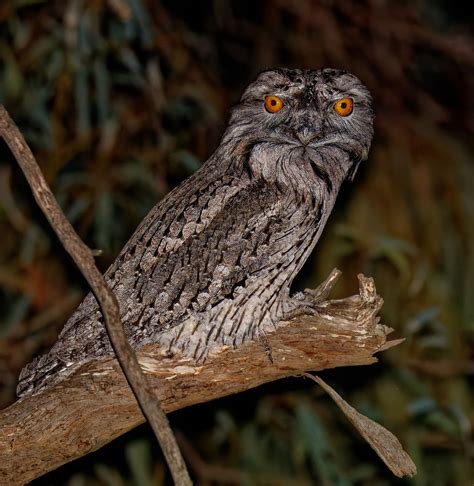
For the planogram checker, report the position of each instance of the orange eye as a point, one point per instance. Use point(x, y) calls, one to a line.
point(343, 107)
point(273, 104)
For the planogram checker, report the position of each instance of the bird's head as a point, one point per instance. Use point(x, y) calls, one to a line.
point(303, 121)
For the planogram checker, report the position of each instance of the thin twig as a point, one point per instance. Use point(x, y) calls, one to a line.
point(84, 259)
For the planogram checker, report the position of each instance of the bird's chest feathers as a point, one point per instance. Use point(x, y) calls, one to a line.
point(291, 168)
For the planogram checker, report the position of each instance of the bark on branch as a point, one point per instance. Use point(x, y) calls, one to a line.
point(95, 405)
point(84, 259)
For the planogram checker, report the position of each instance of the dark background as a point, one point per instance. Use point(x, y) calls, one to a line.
point(122, 99)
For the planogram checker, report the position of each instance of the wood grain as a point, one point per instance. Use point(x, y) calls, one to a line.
point(95, 405)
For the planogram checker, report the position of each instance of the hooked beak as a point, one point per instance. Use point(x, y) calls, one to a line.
point(306, 134)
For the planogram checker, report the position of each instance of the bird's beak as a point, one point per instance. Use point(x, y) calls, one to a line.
point(306, 134)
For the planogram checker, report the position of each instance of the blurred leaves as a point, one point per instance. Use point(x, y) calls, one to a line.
point(317, 447)
point(122, 99)
point(138, 454)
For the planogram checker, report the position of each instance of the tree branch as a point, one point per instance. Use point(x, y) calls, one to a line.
point(94, 405)
point(84, 259)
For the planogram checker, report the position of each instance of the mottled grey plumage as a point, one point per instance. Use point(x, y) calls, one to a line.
point(212, 263)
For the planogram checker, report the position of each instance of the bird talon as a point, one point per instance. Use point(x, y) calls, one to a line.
point(302, 310)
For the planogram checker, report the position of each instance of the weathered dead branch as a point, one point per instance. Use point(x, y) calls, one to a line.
point(84, 259)
point(95, 405)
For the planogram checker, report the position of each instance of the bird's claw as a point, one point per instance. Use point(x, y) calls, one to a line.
point(302, 303)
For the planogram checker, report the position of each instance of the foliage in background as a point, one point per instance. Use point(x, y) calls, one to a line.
point(122, 99)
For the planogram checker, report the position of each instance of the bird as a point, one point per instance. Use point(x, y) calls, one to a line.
point(211, 265)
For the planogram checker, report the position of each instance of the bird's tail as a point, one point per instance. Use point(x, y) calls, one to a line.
point(39, 374)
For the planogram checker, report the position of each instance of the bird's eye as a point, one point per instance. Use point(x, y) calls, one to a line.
point(343, 107)
point(273, 104)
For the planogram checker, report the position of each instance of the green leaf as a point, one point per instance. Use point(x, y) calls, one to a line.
point(138, 455)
